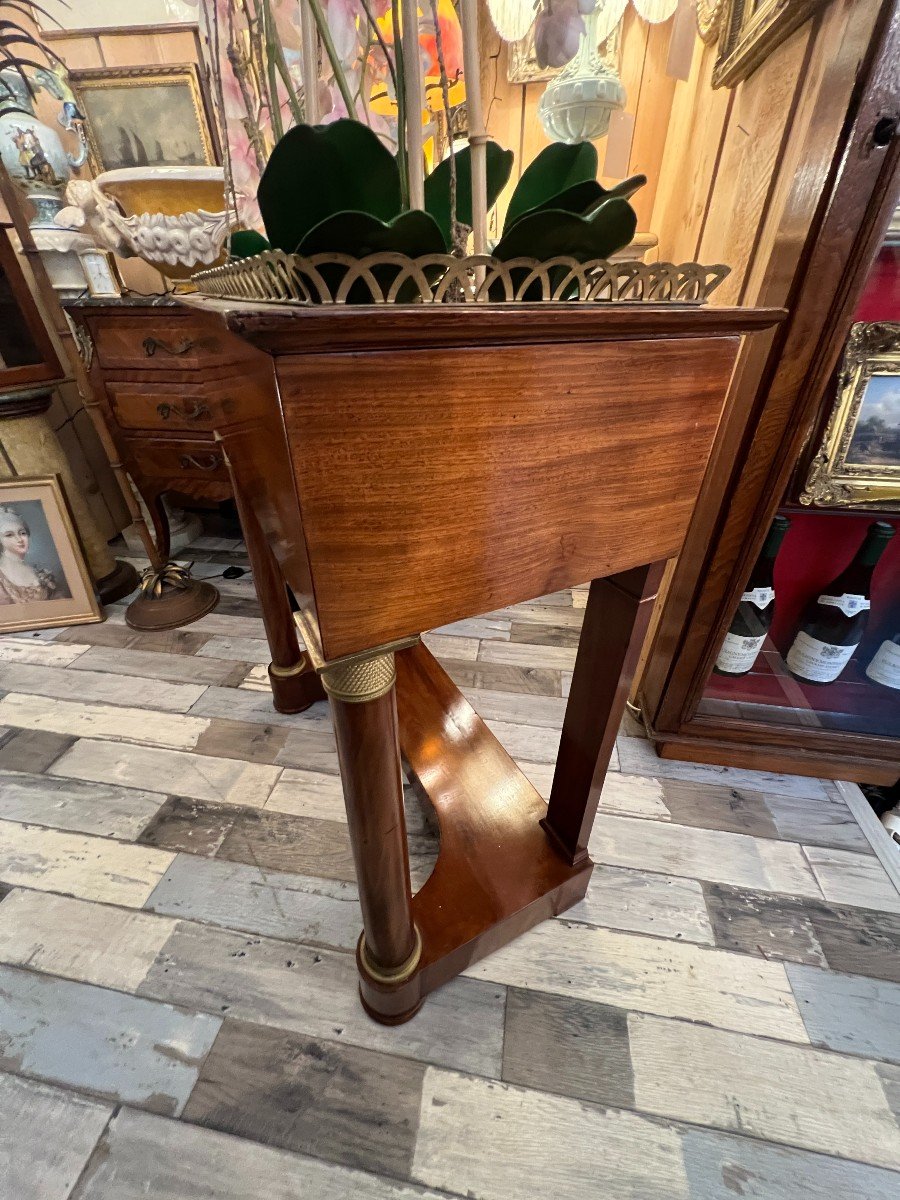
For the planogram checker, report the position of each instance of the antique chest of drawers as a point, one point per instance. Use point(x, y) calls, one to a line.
point(164, 376)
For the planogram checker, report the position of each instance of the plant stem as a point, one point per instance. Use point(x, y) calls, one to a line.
point(328, 42)
point(457, 237)
point(381, 42)
point(276, 51)
point(271, 76)
point(400, 93)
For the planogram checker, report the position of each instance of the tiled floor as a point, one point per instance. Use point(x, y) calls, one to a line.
point(719, 1018)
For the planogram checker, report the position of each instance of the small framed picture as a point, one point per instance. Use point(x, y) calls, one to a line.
point(858, 461)
point(146, 116)
point(44, 580)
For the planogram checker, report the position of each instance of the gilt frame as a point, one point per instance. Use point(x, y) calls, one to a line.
point(836, 479)
point(751, 30)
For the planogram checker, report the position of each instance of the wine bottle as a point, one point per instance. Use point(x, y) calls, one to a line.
point(754, 614)
point(834, 624)
point(884, 666)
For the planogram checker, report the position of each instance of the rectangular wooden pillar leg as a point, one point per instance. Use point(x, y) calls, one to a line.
point(615, 625)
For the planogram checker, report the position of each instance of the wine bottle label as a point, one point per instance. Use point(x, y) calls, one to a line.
point(820, 662)
point(762, 597)
point(738, 654)
point(849, 605)
point(885, 665)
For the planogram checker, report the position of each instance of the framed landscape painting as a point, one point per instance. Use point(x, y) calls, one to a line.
point(858, 461)
point(44, 580)
point(145, 116)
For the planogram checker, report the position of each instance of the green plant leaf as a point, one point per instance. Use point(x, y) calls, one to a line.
point(247, 242)
point(316, 171)
point(583, 198)
point(555, 169)
point(575, 199)
point(437, 186)
point(626, 188)
point(551, 233)
point(357, 233)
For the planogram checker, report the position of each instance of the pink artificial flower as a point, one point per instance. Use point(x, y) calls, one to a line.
point(557, 33)
point(341, 16)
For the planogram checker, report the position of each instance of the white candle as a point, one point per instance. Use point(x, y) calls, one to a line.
point(415, 100)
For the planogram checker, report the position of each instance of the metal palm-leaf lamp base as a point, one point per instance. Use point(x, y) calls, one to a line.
point(170, 598)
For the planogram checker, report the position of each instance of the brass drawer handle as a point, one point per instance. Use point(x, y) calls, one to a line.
point(172, 410)
point(209, 463)
point(151, 345)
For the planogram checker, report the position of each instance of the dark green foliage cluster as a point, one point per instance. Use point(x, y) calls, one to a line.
point(336, 189)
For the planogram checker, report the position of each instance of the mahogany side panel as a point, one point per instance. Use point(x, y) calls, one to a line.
point(435, 484)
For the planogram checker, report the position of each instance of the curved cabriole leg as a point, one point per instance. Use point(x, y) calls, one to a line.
point(364, 709)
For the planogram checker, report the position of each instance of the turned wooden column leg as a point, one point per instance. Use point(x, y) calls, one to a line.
point(295, 684)
point(364, 708)
point(615, 624)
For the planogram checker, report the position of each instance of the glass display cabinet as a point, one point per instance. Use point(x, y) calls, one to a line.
point(777, 645)
point(815, 638)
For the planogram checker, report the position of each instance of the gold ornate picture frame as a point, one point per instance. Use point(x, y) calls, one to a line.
point(157, 116)
point(751, 30)
point(858, 462)
point(44, 580)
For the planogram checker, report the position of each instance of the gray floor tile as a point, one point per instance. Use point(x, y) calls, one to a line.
point(557, 1044)
point(314, 992)
point(46, 1137)
point(644, 902)
point(341, 1103)
point(722, 1167)
point(860, 941)
point(242, 739)
point(145, 1157)
point(104, 809)
point(189, 825)
point(32, 750)
point(796, 1095)
point(94, 943)
point(121, 1047)
point(639, 758)
point(849, 878)
point(848, 1012)
point(317, 911)
point(277, 841)
point(177, 668)
point(762, 923)
point(496, 1142)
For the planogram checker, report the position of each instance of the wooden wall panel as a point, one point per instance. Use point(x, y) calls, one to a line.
point(753, 145)
point(650, 99)
point(693, 144)
point(512, 109)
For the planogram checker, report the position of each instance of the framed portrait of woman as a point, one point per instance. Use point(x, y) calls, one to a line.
point(44, 580)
